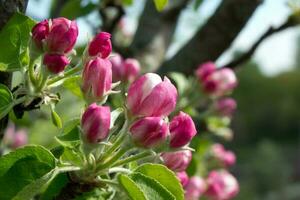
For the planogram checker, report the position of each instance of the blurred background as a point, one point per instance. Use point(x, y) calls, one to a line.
point(267, 122)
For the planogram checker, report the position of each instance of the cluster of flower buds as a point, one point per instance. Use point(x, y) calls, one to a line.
point(152, 99)
point(224, 157)
point(56, 38)
point(14, 138)
point(125, 70)
point(216, 82)
point(97, 72)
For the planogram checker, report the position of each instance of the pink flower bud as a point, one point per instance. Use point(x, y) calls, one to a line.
point(55, 63)
point(20, 139)
point(183, 178)
point(182, 130)
point(132, 69)
point(194, 188)
point(62, 35)
point(117, 67)
point(149, 132)
point(150, 96)
point(95, 123)
point(39, 32)
point(205, 69)
point(221, 185)
point(97, 79)
point(100, 45)
point(226, 106)
point(177, 161)
point(220, 82)
point(226, 158)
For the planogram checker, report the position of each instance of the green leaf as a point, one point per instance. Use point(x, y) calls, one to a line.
point(164, 176)
point(6, 100)
point(73, 85)
point(74, 9)
point(127, 2)
point(22, 167)
point(15, 38)
point(131, 188)
point(114, 116)
point(160, 4)
point(55, 187)
point(182, 83)
point(151, 188)
point(56, 119)
point(69, 136)
point(71, 156)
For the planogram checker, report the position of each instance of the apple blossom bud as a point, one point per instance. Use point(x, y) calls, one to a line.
point(195, 188)
point(20, 139)
point(14, 138)
point(97, 79)
point(100, 45)
point(150, 96)
point(95, 123)
point(205, 69)
point(225, 106)
point(183, 178)
point(182, 130)
point(226, 158)
point(55, 63)
point(149, 132)
point(39, 32)
point(177, 161)
point(132, 69)
point(221, 185)
point(62, 35)
point(117, 67)
point(220, 82)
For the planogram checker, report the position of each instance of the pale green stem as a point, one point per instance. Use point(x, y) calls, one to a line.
point(68, 73)
point(31, 72)
point(119, 169)
point(132, 158)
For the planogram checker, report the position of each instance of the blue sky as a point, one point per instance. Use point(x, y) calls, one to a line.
point(275, 55)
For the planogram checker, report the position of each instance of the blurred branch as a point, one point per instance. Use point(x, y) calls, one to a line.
point(154, 33)
point(290, 22)
point(109, 23)
point(7, 9)
point(214, 37)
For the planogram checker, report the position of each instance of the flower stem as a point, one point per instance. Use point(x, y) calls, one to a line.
point(110, 161)
point(132, 158)
point(70, 72)
point(31, 72)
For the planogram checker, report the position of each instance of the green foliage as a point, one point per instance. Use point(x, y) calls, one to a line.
point(23, 167)
point(15, 37)
point(55, 187)
point(152, 181)
point(160, 4)
point(69, 136)
point(73, 85)
point(74, 9)
point(6, 100)
point(56, 119)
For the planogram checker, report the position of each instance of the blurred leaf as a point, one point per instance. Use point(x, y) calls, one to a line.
point(164, 176)
point(6, 100)
point(15, 37)
point(160, 4)
point(55, 187)
point(22, 167)
point(181, 81)
point(69, 136)
point(197, 4)
point(127, 2)
point(131, 188)
point(74, 9)
point(73, 84)
point(114, 116)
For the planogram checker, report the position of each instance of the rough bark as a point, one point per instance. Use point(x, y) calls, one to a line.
point(214, 37)
point(7, 9)
point(154, 33)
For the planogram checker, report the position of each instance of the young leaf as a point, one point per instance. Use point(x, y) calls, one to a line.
point(56, 119)
point(164, 176)
point(22, 167)
point(160, 4)
point(15, 37)
point(73, 85)
point(69, 136)
point(152, 189)
point(6, 100)
point(132, 190)
point(55, 187)
point(114, 116)
point(74, 9)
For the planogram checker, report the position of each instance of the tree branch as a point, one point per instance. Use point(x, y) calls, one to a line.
point(290, 22)
point(214, 37)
